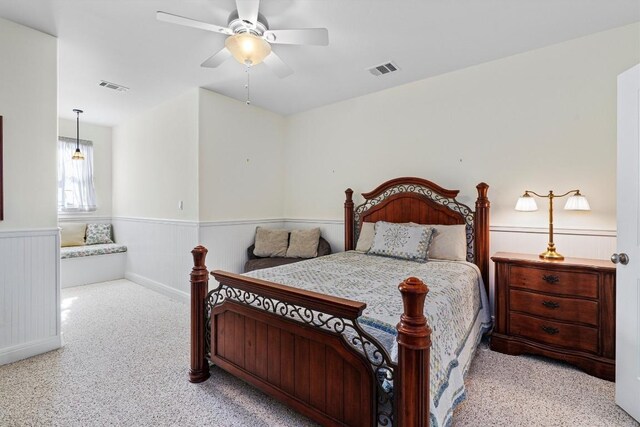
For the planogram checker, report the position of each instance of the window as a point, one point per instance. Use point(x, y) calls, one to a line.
point(76, 192)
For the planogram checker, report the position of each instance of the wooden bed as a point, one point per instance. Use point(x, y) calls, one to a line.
point(292, 344)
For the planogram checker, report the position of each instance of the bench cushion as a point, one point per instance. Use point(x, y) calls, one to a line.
point(82, 251)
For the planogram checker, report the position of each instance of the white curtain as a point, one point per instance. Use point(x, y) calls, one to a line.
point(76, 192)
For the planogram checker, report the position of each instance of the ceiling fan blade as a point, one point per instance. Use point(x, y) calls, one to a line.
point(278, 66)
point(248, 10)
point(217, 58)
point(313, 36)
point(188, 22)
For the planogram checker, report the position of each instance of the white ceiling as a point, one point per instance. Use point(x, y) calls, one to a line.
point(120, 41)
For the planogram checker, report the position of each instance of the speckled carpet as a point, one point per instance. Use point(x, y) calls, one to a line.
point(125, 362)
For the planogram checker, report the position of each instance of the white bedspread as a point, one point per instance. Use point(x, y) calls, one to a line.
point(456, 307)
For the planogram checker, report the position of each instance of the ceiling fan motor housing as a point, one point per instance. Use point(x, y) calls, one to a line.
point(239, 26)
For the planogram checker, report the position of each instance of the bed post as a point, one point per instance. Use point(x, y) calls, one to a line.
point(414, 341)
point(349, 245)
point(481, 222)
point(199, 287)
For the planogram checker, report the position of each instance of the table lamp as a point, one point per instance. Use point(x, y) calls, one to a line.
point(576, 202)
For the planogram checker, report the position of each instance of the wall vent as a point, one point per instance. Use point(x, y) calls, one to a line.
point(382, 69)
point(113, 86)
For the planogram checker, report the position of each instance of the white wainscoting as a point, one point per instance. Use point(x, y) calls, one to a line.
point(158, 253)
point(84, 218)
point(29, 293)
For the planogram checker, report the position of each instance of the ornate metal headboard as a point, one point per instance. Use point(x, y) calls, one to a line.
point(421, 201)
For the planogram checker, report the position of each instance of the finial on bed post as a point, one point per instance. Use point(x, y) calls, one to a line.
point(414, 341)
point(481, 222)
point(199, 287)
point(348, 221)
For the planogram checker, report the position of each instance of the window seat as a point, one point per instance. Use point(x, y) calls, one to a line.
point(82, 265)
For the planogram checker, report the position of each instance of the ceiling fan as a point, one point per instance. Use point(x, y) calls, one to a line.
point(249, 37)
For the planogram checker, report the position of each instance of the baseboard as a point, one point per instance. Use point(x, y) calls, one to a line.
point(29, 349)
point(158, 287)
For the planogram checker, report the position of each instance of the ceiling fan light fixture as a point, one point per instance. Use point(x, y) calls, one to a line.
point(247, 48)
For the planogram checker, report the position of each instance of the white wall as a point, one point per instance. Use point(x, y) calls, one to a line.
point(155, 162)
point(28, 103)
point(540, 120)
point(101, 137)
point(241, 160)
point(241, 176)
point(29, 278)
point(155, 166)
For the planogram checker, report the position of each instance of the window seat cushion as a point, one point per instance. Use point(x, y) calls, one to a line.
point(91, 250)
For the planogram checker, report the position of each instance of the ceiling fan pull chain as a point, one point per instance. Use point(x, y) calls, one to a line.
point(247, 85)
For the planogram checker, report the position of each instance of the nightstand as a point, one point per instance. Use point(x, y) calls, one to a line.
point(560, 309)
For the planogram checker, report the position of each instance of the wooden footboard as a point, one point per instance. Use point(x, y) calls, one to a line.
point(291, 344)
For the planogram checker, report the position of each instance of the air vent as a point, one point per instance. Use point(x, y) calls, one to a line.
point(383, 69)
point(113, 86)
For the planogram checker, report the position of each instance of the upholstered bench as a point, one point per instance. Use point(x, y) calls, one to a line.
point(256, 263)
point(89, 255)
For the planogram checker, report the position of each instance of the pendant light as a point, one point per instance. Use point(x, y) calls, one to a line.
point(78, 155)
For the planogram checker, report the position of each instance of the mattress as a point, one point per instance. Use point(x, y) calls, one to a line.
point(456, 307)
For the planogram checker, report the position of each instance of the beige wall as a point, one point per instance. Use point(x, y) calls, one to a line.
point(155, 162)
point(241, 160)
point(101, 138)
point(28, 104)
point(544, 119)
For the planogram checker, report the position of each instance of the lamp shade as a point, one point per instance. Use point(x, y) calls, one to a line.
point(77, 155)
point(526, 203)
point(577, 202)
point(247, 48)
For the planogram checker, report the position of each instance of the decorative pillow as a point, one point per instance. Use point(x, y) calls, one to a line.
point(72, 234)
point(401, 240)
point(449, 242)
point(365, 239)
point(304, 243)
point(98, 233)
point(271, 242)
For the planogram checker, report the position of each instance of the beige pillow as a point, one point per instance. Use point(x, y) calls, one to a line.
point(72, 234)
point(304, 243)
point(365, 239)
point(271, 242)
point(449, 242)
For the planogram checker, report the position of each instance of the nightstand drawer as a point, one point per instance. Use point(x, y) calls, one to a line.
point(554, 333)
point(554, 307)
point(556, 282)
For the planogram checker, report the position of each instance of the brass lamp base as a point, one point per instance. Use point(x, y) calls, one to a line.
point(551, 254)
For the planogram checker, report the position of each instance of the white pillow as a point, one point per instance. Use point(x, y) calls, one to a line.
point(72, 234)
point(365, 239)
point(401, 240)
point(449, 242)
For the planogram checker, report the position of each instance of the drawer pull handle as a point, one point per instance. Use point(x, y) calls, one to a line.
point(550, 304)
point(550, 330)
point(551, 279)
